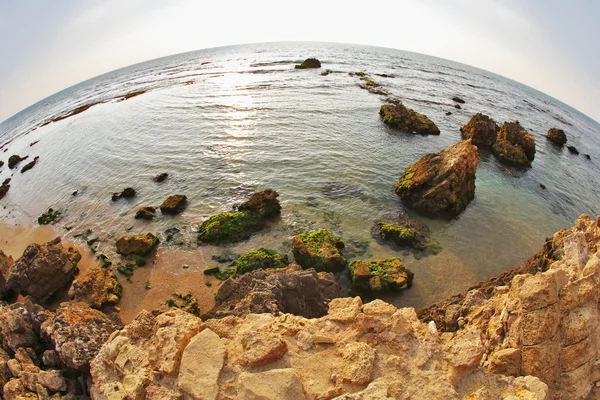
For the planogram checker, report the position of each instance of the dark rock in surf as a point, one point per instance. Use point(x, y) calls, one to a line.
point(514, 145)
point(174, 204)
point(458, 100)
point(127, 193)
point(309, 63)
point(573, 150)
point(145, 213)
point(481, 129)
point(557, 136)
point(161, 177)
point(30, 165)
point(14, 160)
point(396, 115)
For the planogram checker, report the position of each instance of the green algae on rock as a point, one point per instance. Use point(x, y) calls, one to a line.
point(319, 250)
point(51, 216)
point(380, 275)
point(514, 145)
point(481, 129)
point(260, 259)
point(229, 227)
point(140, 244)
point(441, 184)
point(174, 204)
point(406, 120)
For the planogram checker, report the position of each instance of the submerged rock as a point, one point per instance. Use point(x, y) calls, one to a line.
point(402, 231)
point(161, 177)
point(441, 184)
point(309, 63)
point(14, 160)
point(259, 259)
point(51, 216)
point(398, 116)
point(283, 290)
point(318, 250)
point(43, 270)
point(557, 136)
point(514, 145)
point(264, 203)
point(145, 213)
point(458, 100)
point(174, 204)
point(380, 275)
point(30, 165)
point(96, 288)
point(141, 244)
point(338, 190)
point(482, 130)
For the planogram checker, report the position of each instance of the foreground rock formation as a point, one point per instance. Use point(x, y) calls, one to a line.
point(441, 184)
point(398, 116)
point(540, 319)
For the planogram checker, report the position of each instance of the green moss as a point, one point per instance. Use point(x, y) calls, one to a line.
point(361, 74)
point(49, 217)
point(147, 285)
point(106, 262)
point(140, 260)
point(398, 233)
point(380, 275)
point(405, 180)
point(229, 227)
point(226, 274)
point(126, 269)
point(369, 82)
point(212, 271)
point(171, 303)
point(319, 250)
point(259, 259)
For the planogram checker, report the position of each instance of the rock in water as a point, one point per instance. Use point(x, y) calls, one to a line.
point(458, 100)
point(264, 203)
point(380, 275)
point(43, 270)
point(398, 116)
point(482, 130)
point(174, 204)
point(145, 213)
point(27, 167)
point(309, 63)
point(161, 177)
point(140, 244)
point(4, 188)
point(14, 160)
point(514, 145)
point(259, 259)
point(441, 184)
point(319, 250)
point(573, 150)
point(557, 136)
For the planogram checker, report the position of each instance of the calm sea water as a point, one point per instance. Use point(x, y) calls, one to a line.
point(229, 121)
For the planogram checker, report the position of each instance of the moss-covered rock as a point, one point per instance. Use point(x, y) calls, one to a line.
point(557, 136)
point(174, 204)
point(229, 227)
point(482, 130)
point(318, 250)
point(51, 216)
point(380, 275)
point(309, 63)
point(399, 234)
point(161, 177)
point(226, 256)
point(146, 213)
point(260, 259)
point(398, 116)
point(401, 230)
point(264, 203)
point(514, 145)
point(140, 244)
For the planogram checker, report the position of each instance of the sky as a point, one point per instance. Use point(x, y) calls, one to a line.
point(550, 45)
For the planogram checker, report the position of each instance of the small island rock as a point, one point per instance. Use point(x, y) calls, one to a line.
point(406, 120)
point(482, 130)
point(14, 160)
point(557, 136)
point(309, 63)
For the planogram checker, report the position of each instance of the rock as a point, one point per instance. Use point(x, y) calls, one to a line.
point(43, 270)
point(96, 288)
point(288, 290)
point(380, 275)
point(448, 113)
point(458, 100)
point(309, 63)
point(270, 385)
point(573, 150)
point(5, 263)
point(127, 193)
point(359, 359)
point(514, 145)
point(406, 120)
point(457, 106)
point(4, 188)
point(14, 160)
point(161, 177)
point(199, 376)
point(174, 204)
point(229, 227)
point(377, 390)
point(441, 184)
point(77, 333)
point(557, 136)
point(482, 130)
point(51, 216)
point(344, 309)
point(52, 380)
point(18, 325)
point(402, 230)
point(146, 213)
point(141, 244)
point(259, 259)
point(30, 165)
point(587, 156)
point(318, 250)
point(262, 348)
point(264, 203)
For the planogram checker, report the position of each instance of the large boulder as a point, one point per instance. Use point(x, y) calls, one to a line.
point(43, 270)
point(20, 326)
point(309, 63)
point(174, 204)
point(264, 203)
point(380, 275)
point(481, 129)
point(96, 288)
point(287, 290)
point(514, 145)
point(441, 184)
point(406, 120)
point(77, 332)
point(557, 136)
point(140, 244)
point(319, 250)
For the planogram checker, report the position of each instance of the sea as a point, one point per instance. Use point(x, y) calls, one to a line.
point(226, 122)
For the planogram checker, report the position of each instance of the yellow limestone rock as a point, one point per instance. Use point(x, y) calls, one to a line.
point(270, 385)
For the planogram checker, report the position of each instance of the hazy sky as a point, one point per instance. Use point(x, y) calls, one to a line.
point(551, 45)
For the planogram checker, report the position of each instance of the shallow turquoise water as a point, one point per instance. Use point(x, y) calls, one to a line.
point(248, 120)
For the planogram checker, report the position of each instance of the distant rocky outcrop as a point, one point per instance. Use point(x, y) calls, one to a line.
point(319, 250)
point(441, 184)
point(287, 290)
point(458, 100)
point(43, 270)
point(406, 120)
point(514, 145)
point(482, 130)
point(309, 63)
point(557, 136)
point(174, 204)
